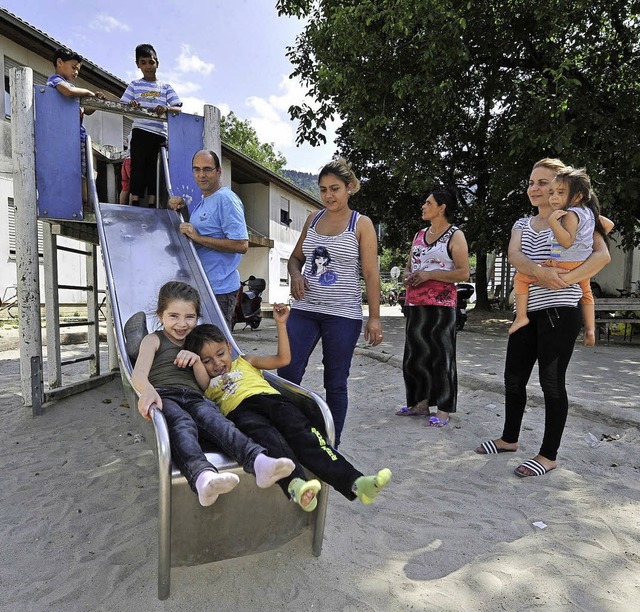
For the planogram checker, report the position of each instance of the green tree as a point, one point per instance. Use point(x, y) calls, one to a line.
point(242, 136)
point(435, 92)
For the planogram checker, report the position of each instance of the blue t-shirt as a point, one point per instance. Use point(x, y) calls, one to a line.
point(53, 81)
point(220, 215)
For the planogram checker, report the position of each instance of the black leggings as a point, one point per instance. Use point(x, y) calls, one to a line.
point(549, 339)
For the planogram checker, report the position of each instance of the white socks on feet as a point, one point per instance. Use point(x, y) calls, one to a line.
point(210, 484)
point(269, 471)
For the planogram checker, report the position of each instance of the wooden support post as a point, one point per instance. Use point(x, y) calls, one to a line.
point(211, 137)
point(93, 331)
point(52, 306)
point(24, 194)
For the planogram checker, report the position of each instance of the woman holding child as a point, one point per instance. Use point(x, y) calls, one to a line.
point(550, 335)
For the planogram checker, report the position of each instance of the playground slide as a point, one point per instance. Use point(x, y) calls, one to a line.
point(142, 249)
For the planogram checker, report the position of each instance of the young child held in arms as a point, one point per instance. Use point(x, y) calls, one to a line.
point(575, 217)
point(260, 411)
point(171, 378)
point(148, 135)
point(67, 65)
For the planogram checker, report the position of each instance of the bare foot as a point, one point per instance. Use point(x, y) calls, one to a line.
point(422, 407)
point(589, 338)
point(518, 323)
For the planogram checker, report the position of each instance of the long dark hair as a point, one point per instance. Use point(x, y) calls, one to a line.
point(581, 193)
point(177, 290)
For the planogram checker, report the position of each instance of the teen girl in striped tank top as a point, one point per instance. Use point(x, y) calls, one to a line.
point(335, 246)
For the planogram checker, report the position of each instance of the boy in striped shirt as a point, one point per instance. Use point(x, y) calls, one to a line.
point(148, 135)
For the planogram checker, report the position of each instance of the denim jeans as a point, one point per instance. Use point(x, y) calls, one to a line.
point(191, 416)
point(227, 303)
point(339, 337)
point(549, 339)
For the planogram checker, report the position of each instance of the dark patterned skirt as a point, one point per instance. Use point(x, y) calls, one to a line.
point(429, 364)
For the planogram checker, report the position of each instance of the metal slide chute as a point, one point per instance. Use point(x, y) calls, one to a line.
point(142, 249)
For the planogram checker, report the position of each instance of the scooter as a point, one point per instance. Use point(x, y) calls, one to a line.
point(465, 291)
point(248, 303)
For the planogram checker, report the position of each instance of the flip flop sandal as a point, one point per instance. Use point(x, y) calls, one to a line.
point(533, 466)
point(434, 421)
point(406, 411)
point(490, 448)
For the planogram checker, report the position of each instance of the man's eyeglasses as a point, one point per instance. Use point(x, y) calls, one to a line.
point(207, 170)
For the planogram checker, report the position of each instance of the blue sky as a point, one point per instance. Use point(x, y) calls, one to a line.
point(229, 53)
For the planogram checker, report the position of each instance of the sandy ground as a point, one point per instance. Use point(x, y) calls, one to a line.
point(453, 531)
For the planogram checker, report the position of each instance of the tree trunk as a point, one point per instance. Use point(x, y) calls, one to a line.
point(482, 297)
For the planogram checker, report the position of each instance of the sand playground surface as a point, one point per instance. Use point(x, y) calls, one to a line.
point(453, 531)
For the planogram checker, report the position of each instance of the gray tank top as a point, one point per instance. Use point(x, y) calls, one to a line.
point(164, 374)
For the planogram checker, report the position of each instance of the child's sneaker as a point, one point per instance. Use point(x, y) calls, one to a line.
point(297, 490)
point(368, 487)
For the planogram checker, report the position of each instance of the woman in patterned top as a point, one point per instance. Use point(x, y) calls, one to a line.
point(554, 323)
point(439, 258)
point(335, 246)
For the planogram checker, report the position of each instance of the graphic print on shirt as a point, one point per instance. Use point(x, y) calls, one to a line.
point(320, 267)
point(228, 383)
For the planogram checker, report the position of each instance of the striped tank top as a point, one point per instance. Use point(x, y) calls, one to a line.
point(332, 269)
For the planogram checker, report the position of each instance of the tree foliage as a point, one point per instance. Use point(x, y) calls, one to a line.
point(305, 180)
point(441, 92)
point(242, 135)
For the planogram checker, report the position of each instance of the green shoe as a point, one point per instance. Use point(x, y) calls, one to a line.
point(298, 487)
point(368, 487)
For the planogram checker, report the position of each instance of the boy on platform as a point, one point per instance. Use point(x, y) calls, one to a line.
point(148, 135)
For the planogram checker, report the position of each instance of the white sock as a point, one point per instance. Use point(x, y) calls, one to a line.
point(210, 484)
point(269, 471)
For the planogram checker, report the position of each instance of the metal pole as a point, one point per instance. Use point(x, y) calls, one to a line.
point(24, 194)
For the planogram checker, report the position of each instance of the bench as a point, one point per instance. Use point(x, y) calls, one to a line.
point(616, 310)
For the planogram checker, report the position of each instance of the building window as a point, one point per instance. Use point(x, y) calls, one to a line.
point(12, 232)
point(284, 272)
point(285, 219)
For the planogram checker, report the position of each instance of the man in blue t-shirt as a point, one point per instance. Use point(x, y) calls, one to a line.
point(218, 229)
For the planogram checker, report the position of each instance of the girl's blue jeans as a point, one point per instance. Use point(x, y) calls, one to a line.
point(190, 418)
point(339, 337)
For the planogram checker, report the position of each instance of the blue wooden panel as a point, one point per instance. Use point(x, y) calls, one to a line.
point(186, 136)
point(58, 172)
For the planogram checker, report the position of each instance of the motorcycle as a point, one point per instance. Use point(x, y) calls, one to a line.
point(248, 303)
point(465, 291)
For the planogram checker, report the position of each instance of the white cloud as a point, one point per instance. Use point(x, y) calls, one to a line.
point(270, 118)
point(108, 23)
point(190, 62)
point(192, 105)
